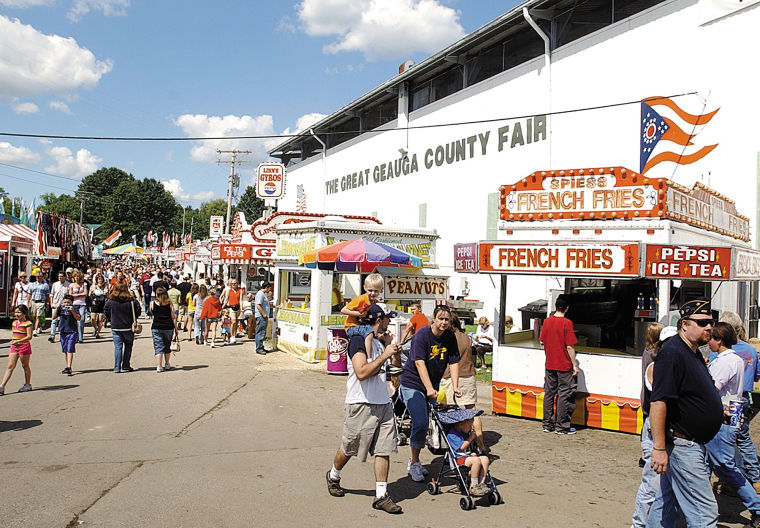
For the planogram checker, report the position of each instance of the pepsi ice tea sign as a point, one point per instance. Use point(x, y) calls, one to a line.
point(270, 180)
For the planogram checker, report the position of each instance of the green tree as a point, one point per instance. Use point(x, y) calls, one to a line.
point(62, 205)
point(251, 205)
point(216, 207)
point(100, 187)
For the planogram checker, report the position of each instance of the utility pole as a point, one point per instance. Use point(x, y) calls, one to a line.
point(231, 181)
point(83, 195)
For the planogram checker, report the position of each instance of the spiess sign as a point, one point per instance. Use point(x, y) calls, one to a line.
point(270, 180)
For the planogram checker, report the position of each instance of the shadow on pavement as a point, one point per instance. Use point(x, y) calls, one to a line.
point(90, 371)
point(191, 367)
point(55, 387)
point(19, 425)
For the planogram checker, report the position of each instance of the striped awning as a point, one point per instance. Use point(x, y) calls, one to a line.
point(253, 262)
point(18, 230)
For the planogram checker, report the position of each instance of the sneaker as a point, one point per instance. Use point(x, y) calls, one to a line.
point(25, 388)
point(415, 471)
point(51, 339)
point(548, 429)
point(197, 341)
point(333, 486)
point(67, 370)
point(36, 332)
point(570, 431)
point(2, 390)
point(212, 344)
point(409, 465)
point(386, 504)
point(159, 369)
point(168, 367)
point(479, 490)
point(233, 340)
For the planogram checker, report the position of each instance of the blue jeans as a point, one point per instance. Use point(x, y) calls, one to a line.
point(122, 349)
point(361, 330)
point(686, 484)
point(261, 333)
point(82, 309)
point(146, 302)
point(162, 341)
point(416, 403)
point(650, 481)
point(746, 454)
point(198, 327)
point(720, 455)
point(53, 326)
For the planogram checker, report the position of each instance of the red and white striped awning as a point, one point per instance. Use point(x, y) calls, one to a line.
point(18, 231)
point(253, 262)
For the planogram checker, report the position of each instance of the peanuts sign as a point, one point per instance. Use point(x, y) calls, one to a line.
point(416, 287)
point(619, 260)
point(688, 262)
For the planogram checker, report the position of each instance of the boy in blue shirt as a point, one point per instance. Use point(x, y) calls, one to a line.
point(68, 319)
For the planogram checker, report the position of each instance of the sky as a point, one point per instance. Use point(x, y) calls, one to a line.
point(179, 69)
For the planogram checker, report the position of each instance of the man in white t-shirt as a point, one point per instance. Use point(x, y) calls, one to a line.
point(368, 424)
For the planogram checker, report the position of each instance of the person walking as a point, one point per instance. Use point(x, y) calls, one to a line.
point(368, 424)
point(21, 348)
point(57, 291)
point(21, 291)
point(433, 348)
point(199, 324)
point(232, 297)
point(163, 328)
point(97, 303)
point(122, 309)
point(685, 413)
point(212, 309)
point(561, 370)
point(39, 291)
point(261, 310)
point(78, 291)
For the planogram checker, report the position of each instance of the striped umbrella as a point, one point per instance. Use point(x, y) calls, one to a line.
point(358, 255)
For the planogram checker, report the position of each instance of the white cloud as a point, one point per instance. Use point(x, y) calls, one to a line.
point(66, 163)
point(33, 63)
point(23, 4)
point(26, 108)
point(286, 26)
point(387, 29)
point(174, 186)
point(17, 155)
point(302, 123)
point(60, 106)
point(109, 8)
point(201, 125)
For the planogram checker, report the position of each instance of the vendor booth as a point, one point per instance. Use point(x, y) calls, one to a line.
point(309, 295)
point(625, 251)
point(17, 247)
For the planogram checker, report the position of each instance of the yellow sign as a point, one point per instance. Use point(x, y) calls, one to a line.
point(289, 316)
point(333, 320)
point(294, 246)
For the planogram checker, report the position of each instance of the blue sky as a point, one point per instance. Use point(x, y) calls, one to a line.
point(174, 68)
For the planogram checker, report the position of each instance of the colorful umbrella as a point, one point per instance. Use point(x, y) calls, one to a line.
point(122, 250)
point(358, 255)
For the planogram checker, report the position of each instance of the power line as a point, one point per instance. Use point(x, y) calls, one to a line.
point(328, 133)
point(40, 172)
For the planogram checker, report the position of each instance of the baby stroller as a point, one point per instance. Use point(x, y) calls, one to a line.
point(442, 417)
point(401, 417)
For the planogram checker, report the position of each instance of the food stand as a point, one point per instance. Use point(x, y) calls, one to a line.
point(304, 296)
point(17, 247)
point(624, 250)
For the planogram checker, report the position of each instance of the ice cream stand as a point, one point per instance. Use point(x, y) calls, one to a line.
point(625, 250)
point(304, 295)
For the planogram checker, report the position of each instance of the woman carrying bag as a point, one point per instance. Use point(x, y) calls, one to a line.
point(123, 310)
point(163, 329)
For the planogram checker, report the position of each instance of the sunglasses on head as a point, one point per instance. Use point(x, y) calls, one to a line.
point(702, 322)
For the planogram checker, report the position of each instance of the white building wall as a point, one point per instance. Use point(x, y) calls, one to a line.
point(661, 52)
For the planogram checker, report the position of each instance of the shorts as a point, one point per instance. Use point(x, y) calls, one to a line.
point(368, 428)
point(225, 330)
point(469, 387)
point(69, 342)
point(97, 307)
point(210, 320)
point(22, 350)
point(182, 312)
point(191, 314)
point(37, 309)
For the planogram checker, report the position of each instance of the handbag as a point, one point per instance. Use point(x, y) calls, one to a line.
point(174, 347)
point(136, 327)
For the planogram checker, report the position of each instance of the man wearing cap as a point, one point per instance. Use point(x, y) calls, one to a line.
point(685, 413)
point(57, 292)
point(368, 423)
point(40, 293)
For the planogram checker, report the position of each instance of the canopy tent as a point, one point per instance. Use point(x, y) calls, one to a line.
point(126, 249)
point(359, 255)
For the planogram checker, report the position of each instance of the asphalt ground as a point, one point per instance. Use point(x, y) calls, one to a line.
point(233, 439)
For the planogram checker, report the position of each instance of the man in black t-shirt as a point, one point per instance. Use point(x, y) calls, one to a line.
point(685, 413)
point(184, 288)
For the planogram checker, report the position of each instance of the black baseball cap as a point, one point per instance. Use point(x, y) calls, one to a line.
point(376, 312)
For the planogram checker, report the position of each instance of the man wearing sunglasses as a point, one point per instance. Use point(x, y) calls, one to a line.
point(685, 413)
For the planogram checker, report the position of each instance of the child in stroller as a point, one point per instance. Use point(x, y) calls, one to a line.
point(451, 434)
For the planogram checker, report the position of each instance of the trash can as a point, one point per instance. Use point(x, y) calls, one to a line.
point(533, 310)
point(337, 348)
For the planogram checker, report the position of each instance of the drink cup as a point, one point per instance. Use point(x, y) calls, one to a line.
point(736, 407)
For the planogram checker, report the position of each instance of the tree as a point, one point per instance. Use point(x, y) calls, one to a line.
point(100, 187)
point(62, 205)
point(216, 207)
point(139, 206)
point(251, 205)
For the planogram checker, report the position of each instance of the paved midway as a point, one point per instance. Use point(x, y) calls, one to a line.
point(232, 439)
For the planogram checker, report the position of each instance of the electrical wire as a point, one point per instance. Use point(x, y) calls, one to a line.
point(328, 133)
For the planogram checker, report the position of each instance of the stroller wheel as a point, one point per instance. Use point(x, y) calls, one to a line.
point(402, 440)
point(432, 487)
point(494, 497)
point(466, 503)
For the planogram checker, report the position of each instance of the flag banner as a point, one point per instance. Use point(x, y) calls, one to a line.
point(669, 134)
point(113, 237)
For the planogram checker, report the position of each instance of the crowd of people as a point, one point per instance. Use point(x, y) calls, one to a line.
point(207, 310)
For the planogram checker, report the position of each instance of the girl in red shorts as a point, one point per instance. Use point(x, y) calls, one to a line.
point(20, 348)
